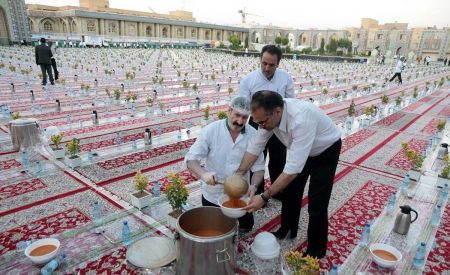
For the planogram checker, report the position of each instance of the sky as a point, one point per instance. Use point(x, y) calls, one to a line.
point(297, 14)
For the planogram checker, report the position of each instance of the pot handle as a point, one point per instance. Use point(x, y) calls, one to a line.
point(226, 256)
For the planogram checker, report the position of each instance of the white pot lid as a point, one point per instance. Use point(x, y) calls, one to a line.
point(152, 252)
point(270, 255)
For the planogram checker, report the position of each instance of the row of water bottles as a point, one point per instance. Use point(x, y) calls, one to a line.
point(126, 232)
point(25, 159)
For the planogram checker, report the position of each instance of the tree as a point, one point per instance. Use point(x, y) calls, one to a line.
point(345, 43)
point(284, 41)
point(235, 41)
point(278, 40)
point(322, 46)
point(332, 47)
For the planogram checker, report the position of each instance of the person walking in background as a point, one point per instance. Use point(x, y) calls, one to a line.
point(43, 56)
point(53, 59)
point(398, 70)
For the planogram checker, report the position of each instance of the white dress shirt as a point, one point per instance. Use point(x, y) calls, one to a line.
point(222, 155)
point(304, 129)
point(255, 81)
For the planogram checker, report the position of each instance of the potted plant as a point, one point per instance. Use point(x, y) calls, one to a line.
point(385, 99)
point(195, 87)
point(416, 161)
point(295, 263)
point(177, 194)
point(149, 101)
point(73, 147)
point(222, 114)
point(416, 92)
point(230, 91)
point(185, 84)
point(15, 115)
point(206, 113)
point(117, 96)
point(444, 176)
point(351, 109)
point(161, 107)
point(440, 127)
point(398, 101)
point(141, 198)
point(58, 152)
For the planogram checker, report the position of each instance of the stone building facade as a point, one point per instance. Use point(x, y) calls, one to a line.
point(95, 18)
point(13, 22)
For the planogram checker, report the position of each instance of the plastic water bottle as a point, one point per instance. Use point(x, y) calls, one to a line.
point(126, 234)
point(118, 139)
point(333, 270)
point(156, 189)
point(436, 215)
point(38, 169)
point(96, 212)
point(365, 236)
point(391, 203)
point(25, 160)
point(159, 129)
point(179, 135)
point(134, 145)
point(53, 264)
point(444, 192)
point(188, 125)
point(90, 156)
point(419, 257)
point(81, 123)
point(405, 184)
point(21, 246)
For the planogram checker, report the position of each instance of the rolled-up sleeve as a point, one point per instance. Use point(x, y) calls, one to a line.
point(199, 150)
point(259, 164)
point(259, 141)
point(302, 140)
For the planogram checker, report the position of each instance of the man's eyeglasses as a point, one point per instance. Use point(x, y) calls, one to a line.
point(262, 123)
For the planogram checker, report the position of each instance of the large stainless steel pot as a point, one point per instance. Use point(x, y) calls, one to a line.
point(206, 255)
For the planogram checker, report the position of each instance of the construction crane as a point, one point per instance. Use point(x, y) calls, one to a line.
point(244, 14)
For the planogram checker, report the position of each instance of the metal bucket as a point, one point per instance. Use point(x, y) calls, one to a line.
point(200, 254)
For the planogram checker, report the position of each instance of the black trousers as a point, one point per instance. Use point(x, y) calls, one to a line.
point(245, 222)
point(55, 69)
point(277, 160)
point(321, 170)
point(46, 68)
point(399, 75)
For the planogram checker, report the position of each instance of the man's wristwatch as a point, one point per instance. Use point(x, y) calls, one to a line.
point(265, 199)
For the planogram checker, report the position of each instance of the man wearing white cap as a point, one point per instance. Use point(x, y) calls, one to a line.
point(222, 144)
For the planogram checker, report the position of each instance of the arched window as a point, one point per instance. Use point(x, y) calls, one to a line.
point(48, 26)
point(164, 32)
point(31, 25)
point(148, 31)
point(207, 36)
point(218, 36)
point(193, 33)
point(179, 32)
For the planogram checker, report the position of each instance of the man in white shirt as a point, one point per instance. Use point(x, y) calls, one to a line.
point(398, 69)
point(222, 144)
point(314, 144)
point(269, 78)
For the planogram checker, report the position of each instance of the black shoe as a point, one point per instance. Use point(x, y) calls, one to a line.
point(43, 84)
point(282, 232)
point(315, 254)
point(244, 230)
point(52, 83)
